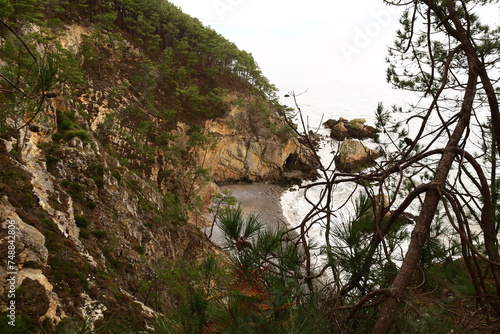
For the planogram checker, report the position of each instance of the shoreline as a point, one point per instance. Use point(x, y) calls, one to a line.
point(260, 198)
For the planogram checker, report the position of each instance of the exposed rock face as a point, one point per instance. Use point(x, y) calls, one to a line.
point(65, 267)
point(239, 158)
point(31, 257)
point(98, 218)
point(356, 129)
point(241, 154)
point(354, 156)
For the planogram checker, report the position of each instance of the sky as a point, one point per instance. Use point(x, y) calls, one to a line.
point(297, 32)
point(333, 50)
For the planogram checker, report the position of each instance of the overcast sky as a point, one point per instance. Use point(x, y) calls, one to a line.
point(320, 45)
point(334, 48)
point(299, 29)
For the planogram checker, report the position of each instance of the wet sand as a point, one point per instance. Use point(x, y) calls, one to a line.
point(257, 198)
point(260, 198)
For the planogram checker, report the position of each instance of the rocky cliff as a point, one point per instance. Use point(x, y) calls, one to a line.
point(245, 150)
point(106, 191)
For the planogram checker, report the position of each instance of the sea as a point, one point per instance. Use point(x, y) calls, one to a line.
point(331, 58)
point(317, 106)
point(331, 55)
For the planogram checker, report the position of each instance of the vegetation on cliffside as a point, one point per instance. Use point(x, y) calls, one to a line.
point(103, 107)
point(116, 120)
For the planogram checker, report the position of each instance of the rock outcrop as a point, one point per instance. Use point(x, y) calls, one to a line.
point(241, 154)
point(81, 219)
point(354, 156)
point(26, 267)
point(342, 129)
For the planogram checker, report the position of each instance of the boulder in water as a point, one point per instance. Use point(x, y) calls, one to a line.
point(339, 131)
point(354, 157)
point(354, 129)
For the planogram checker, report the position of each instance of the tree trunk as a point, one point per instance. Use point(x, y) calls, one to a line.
point(426, 216)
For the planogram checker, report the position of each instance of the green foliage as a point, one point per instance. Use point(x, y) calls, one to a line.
point(15, 183)
point(350, 251)
point(52, 235)
point(73, 326)
point(25, 76)
point(201, 105)
point(23, 324)
point(262, 294)
point(391, 131)
point(237, 230)
point(69, 128)
point(197, 139)
point(70, 273)
point(174, 211)
point(168, 114)
point(66, 124)
point(82, 134)
point(160, 28)
point(140, 249)
point(69, 67)
point(21, 10)
point(74, 189)
point(99, 234)
point(6, 8)
point(91, 205)
point(81, 222)
point(116, 175)
point(51, 160)
point(85, 234)
point(435, 250)
point(106, 20)
point(97, 174)
point(448, 276)
point(433, 319)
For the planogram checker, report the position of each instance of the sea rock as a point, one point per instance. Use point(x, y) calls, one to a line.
point(330, 123)
point(358, 130)
point(353, 129)
point(313, 139)
point(339, 131)
point(354, 156)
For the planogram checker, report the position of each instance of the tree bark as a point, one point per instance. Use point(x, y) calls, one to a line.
point(432, 198)
point(426, 216)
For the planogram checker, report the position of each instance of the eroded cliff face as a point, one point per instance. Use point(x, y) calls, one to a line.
point(245, 150)
point(104, 200)
point(88, 233)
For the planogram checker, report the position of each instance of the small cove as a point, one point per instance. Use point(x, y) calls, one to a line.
point(263, 199)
